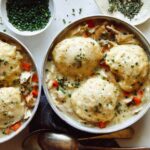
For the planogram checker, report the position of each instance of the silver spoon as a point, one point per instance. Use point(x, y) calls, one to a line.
point(54, 141)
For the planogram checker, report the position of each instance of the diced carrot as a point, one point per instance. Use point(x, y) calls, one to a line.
point(7, 131)
point(55, 84)
point(35, 77)
point(90, 23)
point(137, 100)
point(16, 126)
point(26, 66)
point(102, 124)
point(35, 92)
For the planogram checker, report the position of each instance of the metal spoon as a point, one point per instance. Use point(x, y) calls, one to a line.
point(54, 141)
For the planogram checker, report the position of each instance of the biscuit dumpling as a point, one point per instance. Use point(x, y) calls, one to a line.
point(77, 56)
point(95, 100)
point(130, 65)
point(11, 107)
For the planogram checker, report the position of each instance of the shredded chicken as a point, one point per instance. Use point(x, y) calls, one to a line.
point(79, 31)
point(112, 29)
point(99, 30)
point(30, 101)
point(110, 44)
point(126, 39)
point(122, 38)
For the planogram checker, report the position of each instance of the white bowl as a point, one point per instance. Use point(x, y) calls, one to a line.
point(140, 18)
point(24, 33)
point(25, 124)
point(68, 119)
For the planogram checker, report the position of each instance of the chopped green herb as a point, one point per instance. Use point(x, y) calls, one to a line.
point(73, 10)
point(46, 70)
point(61, 82)
point(118, 108)
point(136, 63)
point(69, 95)
point(76, 84)
point(80, 10)
point(5, 62)
point(79, 59)
point(3, 131)
point(4, 30)
point(28, 15)
point(64, 21)
point(85, 110)
point(61, 89)
point(129, 8)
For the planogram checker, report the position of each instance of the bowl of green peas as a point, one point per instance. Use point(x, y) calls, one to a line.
point(27, 17)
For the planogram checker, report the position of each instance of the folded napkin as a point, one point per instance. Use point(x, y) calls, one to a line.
point(45, 118)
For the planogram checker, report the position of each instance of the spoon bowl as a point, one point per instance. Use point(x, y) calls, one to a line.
point(46, 140)
point(57, 142)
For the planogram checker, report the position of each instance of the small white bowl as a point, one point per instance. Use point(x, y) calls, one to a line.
point(24, 33)
point(140, 18)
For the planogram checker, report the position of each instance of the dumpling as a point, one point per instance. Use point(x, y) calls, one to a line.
point(9, 63)
point(11, 107)
point(130, 65)
point(77, 56)
point(95, 100)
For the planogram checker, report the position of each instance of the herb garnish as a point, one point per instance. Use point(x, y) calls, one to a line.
point(4, 30)
point(80, 10)
point(129, 8)
point(64, 21)
point(79, 60)
point(28, 15)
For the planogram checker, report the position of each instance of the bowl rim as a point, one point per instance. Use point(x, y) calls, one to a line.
point(26, 123)
point(27, 33)
point(70, 120)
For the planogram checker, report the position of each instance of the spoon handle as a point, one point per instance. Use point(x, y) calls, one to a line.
point(81, 147)
point(122, 134)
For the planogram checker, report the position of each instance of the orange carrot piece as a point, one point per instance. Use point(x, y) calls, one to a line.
point(102, 124)
point(35, 92)
point(137, 100)
point(35, 77)
point(7, 131)
point(16, 126)
point(55, 84)
point(26, 66)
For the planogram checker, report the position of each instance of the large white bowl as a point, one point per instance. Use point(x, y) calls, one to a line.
point(3, 12)
point(72, 121)
point(7, 37)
